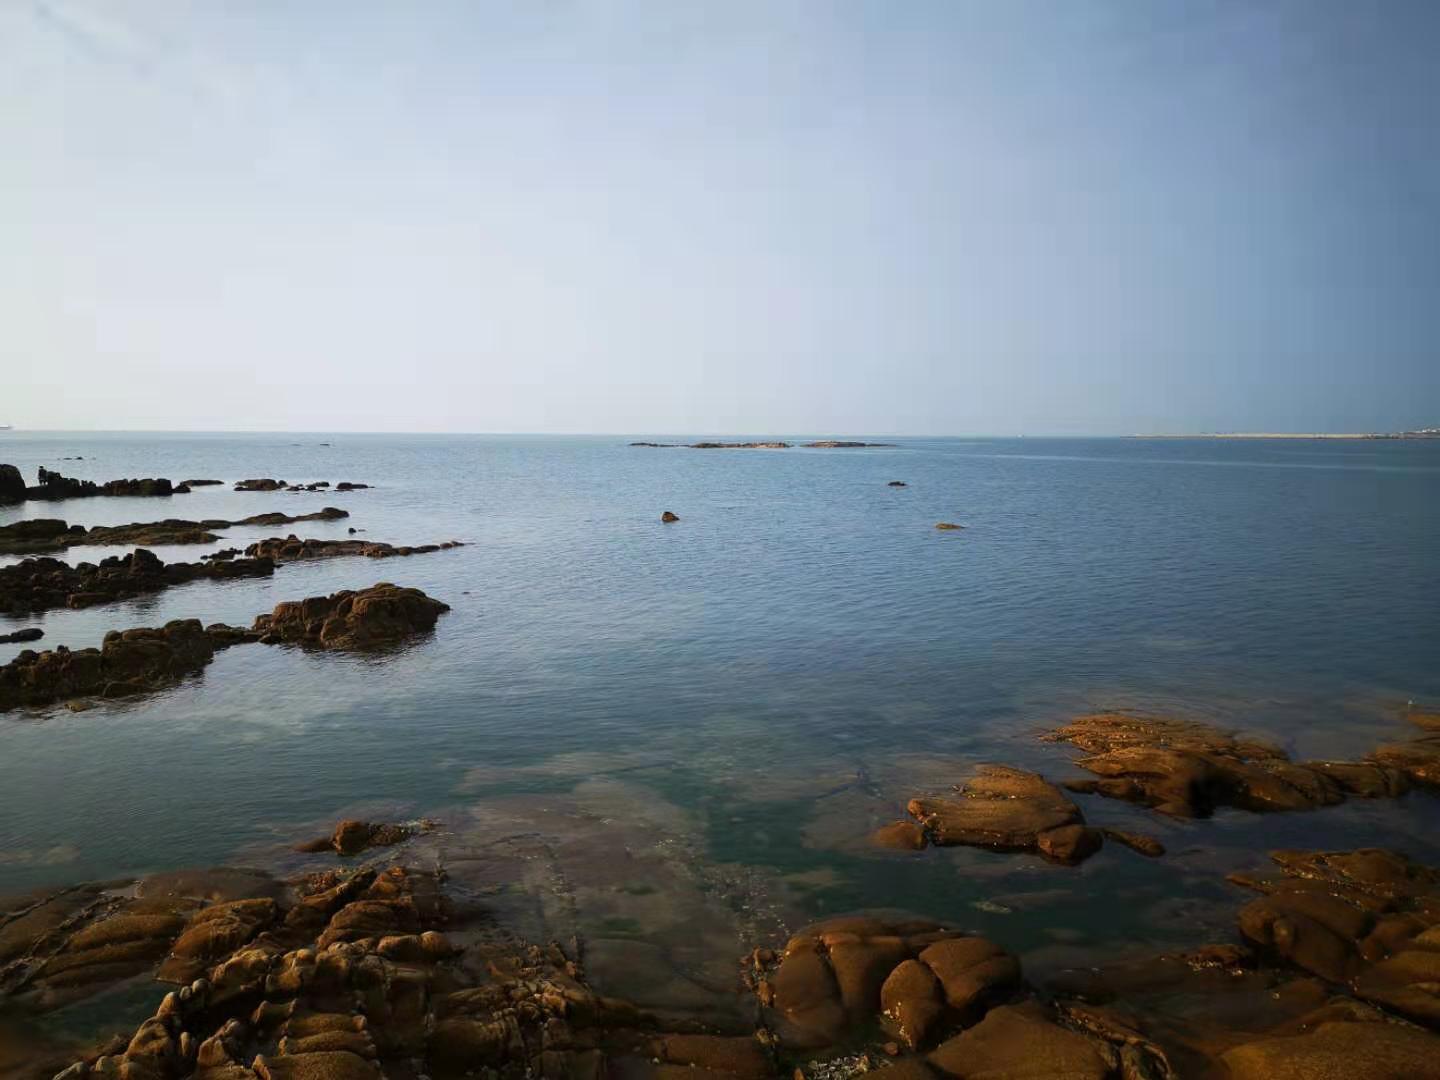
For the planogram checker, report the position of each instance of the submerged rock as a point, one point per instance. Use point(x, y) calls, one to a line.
point(351, 619)
point(947, 526)
point(1008, 809)
point(353, 837)
point(899, 835)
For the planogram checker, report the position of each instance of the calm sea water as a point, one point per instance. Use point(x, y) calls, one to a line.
point(761, 683)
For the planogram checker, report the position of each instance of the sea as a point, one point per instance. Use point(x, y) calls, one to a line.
point(672, 740)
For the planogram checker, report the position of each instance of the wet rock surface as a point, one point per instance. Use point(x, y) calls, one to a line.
point(1008, 809)
point(293, 549)
point(41, 584)
point(352, 837)
point(379, 615)
point(1187, 769)
point(1364, 919)
point(33, 633)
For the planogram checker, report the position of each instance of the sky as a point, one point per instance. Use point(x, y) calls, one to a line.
point(952, 218)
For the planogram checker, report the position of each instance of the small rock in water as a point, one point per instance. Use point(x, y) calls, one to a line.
point(897, 483)
point(947, 525)
point(32, 633)
point(990, 907)
point(668, 517)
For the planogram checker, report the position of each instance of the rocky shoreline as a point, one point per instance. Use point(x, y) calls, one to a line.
point(293, 549)
point(41, 584)
point(382, 969)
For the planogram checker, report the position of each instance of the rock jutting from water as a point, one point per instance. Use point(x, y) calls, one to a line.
point(53, 486)
point(1007, 809)
point(12, 485)
point(353, 837)
point(49, 533)
point(947, 526)
point(29, 634)
point(40, 584)
point(840, 444)
point(897, 483)
point(202, 483)
point(293, 549)
point(351, 619)
point(667, 517)
point(128, 662)
point(270, 484)
point(145, 659)
point(1187, 769)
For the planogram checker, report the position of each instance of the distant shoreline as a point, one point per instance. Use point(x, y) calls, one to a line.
point(1297, 435)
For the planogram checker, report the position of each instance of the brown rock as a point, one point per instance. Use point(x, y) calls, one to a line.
point(1145, 845)
point(668, 517)
point(808, 999)
point(381, 614)
point(972, 970)
point(1001, 808)
point(1019, 1042)
point(332, 1065)
point(899, 836)
point(1376, 1051)
point(1069, 844)
point(913, 999)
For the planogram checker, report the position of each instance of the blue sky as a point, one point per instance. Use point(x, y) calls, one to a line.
point(929, 218)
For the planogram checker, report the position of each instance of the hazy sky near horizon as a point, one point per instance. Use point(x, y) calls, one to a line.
point(859, 217)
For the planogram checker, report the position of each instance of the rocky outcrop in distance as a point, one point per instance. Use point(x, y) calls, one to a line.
point(41, 584)
point(293, 549)
point(53, 486)
point(824, 444)
point(43, 534)
point(268, 484)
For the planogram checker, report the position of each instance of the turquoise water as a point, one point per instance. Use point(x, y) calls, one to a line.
point(761, 683)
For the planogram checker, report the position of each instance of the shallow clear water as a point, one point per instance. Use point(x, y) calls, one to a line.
point(764, 681)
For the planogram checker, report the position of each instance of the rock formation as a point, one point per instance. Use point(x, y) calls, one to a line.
point(1187, 769)
point(12, 485)
point(41, 584)
point(49, 533)
point(668, 517)
point(29, 634)
point(947, 526)
point(1007, 809)
point(55, 486)
point(378, 615)
point(127, 662)
point(292, 549)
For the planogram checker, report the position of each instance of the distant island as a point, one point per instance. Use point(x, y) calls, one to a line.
point(1421, 433)
point(824, 444)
